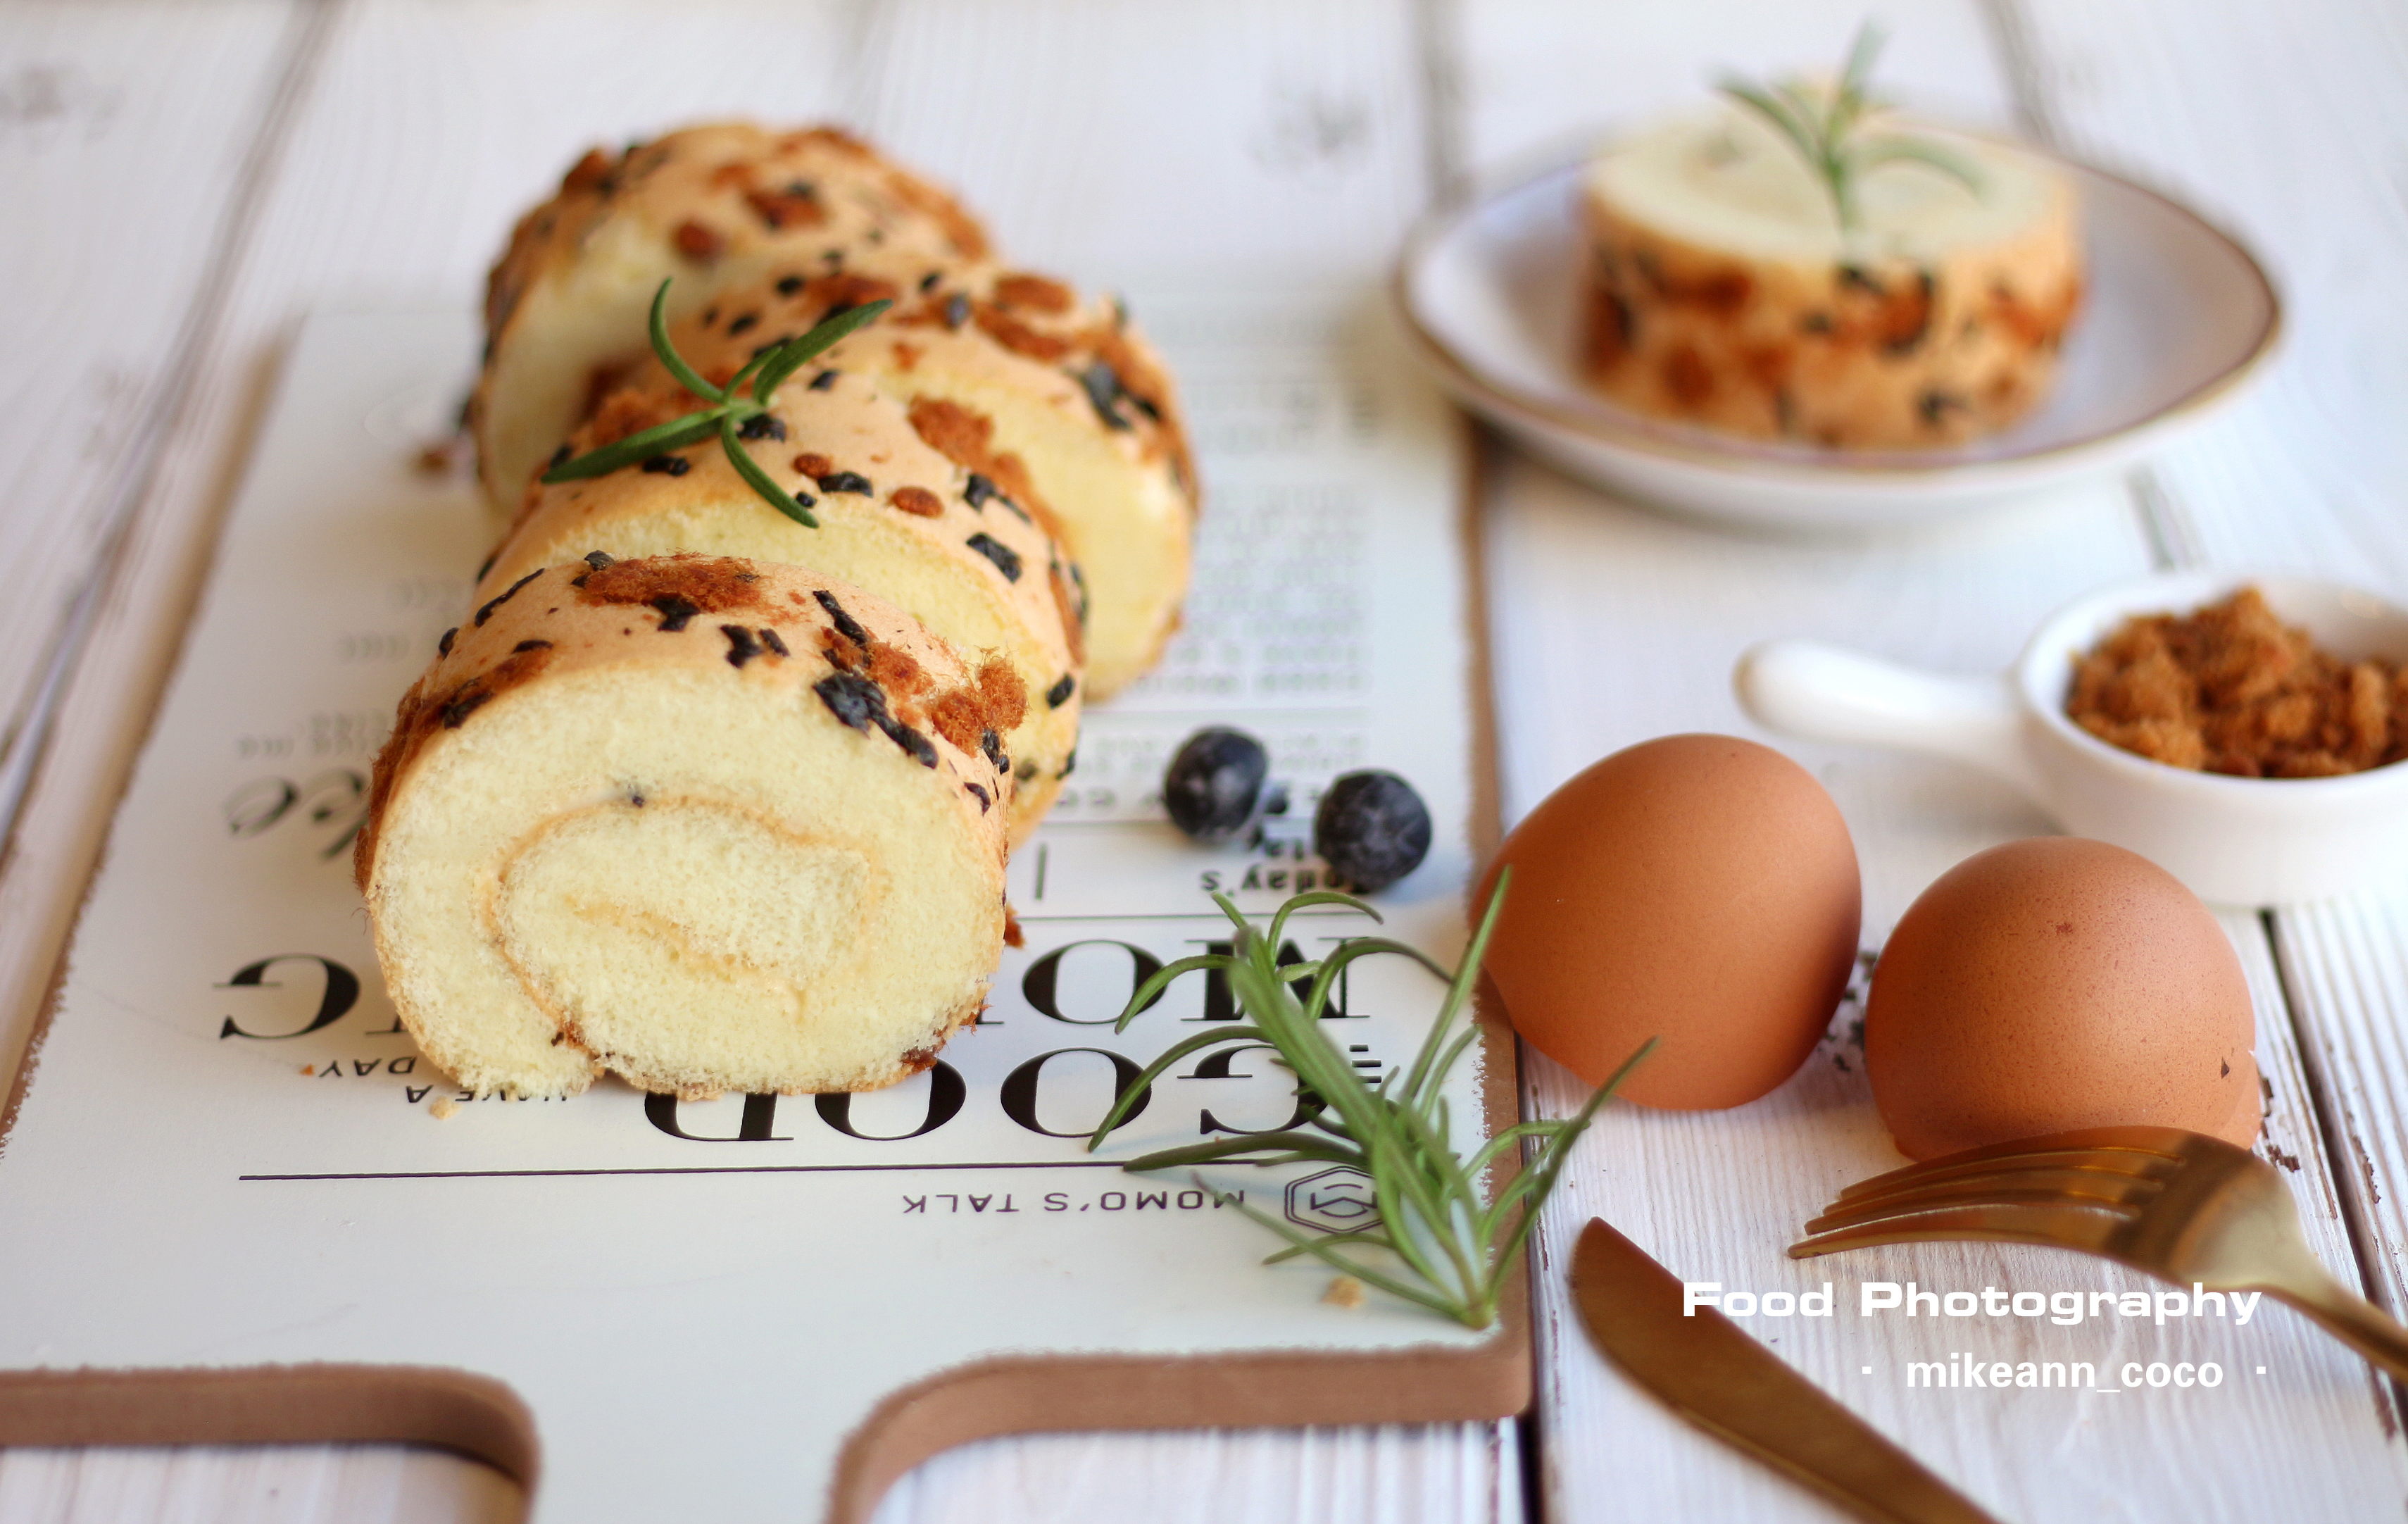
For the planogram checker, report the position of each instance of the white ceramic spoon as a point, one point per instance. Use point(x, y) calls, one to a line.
point(2234, 841)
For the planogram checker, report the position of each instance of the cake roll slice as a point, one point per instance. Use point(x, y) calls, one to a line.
point(708, 206)
point(708, 825)
point(1722, 290)
point(1054, 396)
point(894, 517)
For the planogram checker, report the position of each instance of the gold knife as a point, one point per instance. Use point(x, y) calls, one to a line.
point(1718, 1378)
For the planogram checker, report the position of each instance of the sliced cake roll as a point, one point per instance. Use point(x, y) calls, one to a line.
point(708, 206)
point(894, 516)
point(1723, 291)
point(708, 825)
point(1054, 397)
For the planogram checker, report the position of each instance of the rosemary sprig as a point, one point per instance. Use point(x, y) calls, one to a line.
point(1821, 124)
point(1457, 1247)
point(729, 411)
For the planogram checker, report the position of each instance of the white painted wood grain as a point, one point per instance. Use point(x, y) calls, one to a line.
point(1440, 1474)
point(432, 124)
point(1449, 1474)
point(2288, 123)
point(1102, 135)
point(1434, 1473)
point(1532, 72)
point(2348, 981)
point(123, 134)
point(291, 1484)
point(2292, 124)
point(1617, 624)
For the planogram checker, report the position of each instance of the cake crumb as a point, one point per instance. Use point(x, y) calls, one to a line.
point(442, 1109)
point(1344, 1291)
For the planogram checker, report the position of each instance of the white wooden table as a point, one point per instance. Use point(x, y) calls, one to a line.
point(184, 181)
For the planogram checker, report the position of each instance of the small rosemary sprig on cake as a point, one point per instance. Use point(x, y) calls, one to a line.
point(1823, 124)
point(730, 412)
point(1453, 1247)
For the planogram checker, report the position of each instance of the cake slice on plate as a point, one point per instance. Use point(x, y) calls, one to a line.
point(1751, 274)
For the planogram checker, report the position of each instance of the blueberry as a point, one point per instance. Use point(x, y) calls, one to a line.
point(1371, 829)
point(1211, 785)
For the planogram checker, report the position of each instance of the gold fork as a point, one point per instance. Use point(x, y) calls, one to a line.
point(2185, 1208)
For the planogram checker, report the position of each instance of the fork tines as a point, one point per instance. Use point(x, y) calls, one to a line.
point(2074, 1188)
point(2115, 1149)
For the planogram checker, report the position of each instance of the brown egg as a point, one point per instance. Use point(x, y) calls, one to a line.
point(1700, 889)
point(2053, 983)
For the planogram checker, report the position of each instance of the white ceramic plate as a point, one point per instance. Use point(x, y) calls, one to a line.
point(2177, 315)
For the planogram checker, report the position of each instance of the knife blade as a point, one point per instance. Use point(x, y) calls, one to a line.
point(1712, 1374)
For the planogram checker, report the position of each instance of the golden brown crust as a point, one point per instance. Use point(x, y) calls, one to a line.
point(782, 253)
point(1032, 316)
point(709, 584)
point(482, 661)
point(974, 714)
point(710, 185)
point(966, 437)
point(860, 453)
point(1043, 319)
point(839, 444)
point(714, 199)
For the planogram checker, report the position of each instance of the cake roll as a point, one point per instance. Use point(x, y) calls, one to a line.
point(708, 206)
point(894, 517)
point(708, 825)
point(1722, 291)
point(1053, 395)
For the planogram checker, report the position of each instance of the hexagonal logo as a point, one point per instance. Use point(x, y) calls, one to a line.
point(1337, 1200)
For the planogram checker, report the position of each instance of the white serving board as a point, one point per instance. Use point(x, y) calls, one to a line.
point(228, 1154)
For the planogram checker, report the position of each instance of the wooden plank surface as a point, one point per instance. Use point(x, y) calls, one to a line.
point(2287, 124)
point(1442, 1473)
point(1293, 133)
point(1102, 135)
point(2309, 475)
point(285, 1484)
point(1675, 604)
point(1622, 625)
point(390, 140)
point(128, 138)
point(123, 134)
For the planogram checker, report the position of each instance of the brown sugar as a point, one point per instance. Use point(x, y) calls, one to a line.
point(2232, 689)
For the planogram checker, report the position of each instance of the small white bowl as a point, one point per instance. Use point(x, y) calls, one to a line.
point(2176, 316)
point(2234, 841)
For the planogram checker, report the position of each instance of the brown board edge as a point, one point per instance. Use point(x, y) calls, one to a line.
point(460, 1411)
point(989, 1399)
